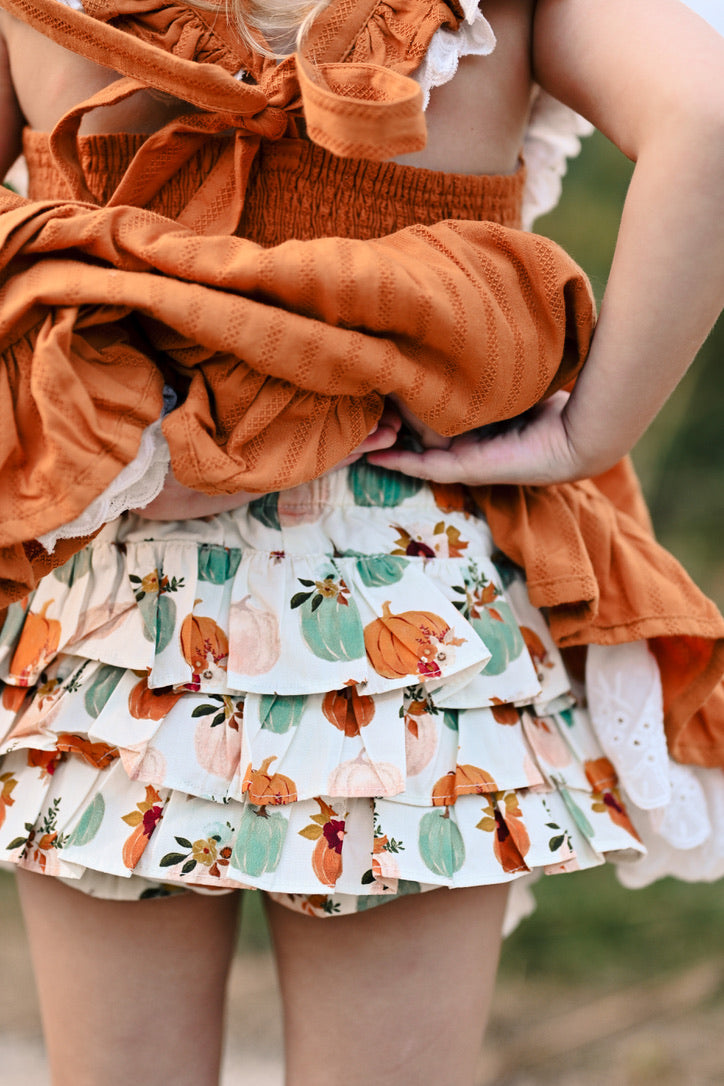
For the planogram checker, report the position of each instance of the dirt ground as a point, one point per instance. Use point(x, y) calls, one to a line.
point(659, 1031)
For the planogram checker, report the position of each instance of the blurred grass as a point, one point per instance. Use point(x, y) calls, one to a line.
point(681, 458)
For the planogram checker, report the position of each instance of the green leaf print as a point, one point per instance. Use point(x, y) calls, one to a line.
point(373, 486)
point(89, 824)
point(218, 564)
point(278, 713)
point(574, 810)
point(441, 843)
point(104, 682)
point(260, 841)
point(265, 510)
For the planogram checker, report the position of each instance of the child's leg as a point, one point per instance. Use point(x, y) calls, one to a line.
point(397, 995)
point(130, 992)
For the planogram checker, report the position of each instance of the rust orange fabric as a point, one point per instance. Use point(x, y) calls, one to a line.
point(284, 353)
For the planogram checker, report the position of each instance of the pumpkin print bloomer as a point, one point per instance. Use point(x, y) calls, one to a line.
point(337, 694)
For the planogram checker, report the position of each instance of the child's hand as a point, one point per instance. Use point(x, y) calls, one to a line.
point(533, 450)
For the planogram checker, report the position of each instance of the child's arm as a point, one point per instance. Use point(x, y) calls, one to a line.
point(651, 76)
point(11, 119)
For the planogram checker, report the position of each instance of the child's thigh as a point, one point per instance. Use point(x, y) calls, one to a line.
point(397, 994)
point(129, 991)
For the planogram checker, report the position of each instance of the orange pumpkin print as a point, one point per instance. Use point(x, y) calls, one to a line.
point(600, 774)
point(450, 497)
point(147, 704)
point(348, 710)
point(44, 760)
point(327, 859)
point(410, 643)
point(268, 788)
point(144, 820)
point(37, 645)
point(8, 783)
point(326, 828)
point(99, 755)
point(504, 713)
point(603, 780)
point(13, 697)
point(464, 780)
point(204, 645)
point(511, 840)
point(536, 648)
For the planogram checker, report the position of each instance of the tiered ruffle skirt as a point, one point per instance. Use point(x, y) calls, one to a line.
point(338, 694)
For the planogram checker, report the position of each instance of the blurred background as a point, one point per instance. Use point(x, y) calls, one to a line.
point(602, 985)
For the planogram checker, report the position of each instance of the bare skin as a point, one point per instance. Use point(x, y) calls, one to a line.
point(109, 974)
point(662, 101)
point(129, 992)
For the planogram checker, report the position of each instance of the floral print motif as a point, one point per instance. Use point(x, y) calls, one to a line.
point(291, 708)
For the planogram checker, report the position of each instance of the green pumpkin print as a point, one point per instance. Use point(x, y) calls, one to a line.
point(158, 610)
point(218, 564)
point(491, 618)
point(441, 843)
point(260, 840)
point(99, 690)
point(75, 568)
point(330, 622)
point(375, 487)
point(381, 569)
point(278, 713)
point(14, 621)
point(502, 637)
point(89, 824)
point(266, 510)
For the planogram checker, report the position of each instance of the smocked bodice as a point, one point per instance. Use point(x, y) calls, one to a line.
point(296, 189)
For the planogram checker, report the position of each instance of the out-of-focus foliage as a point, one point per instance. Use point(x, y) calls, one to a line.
point(681, 458)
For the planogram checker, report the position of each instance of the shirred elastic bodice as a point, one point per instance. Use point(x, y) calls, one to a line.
point(296, 189)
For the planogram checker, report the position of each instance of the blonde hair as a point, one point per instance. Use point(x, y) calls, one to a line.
point(283, 24)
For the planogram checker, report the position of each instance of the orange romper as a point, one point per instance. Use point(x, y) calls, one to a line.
point(403, 708)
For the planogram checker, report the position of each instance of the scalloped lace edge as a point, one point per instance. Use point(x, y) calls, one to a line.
point(137, 484)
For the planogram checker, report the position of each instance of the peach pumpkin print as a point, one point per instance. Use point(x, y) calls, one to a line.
point(255, 641)
point(409, 643)
point(38, 644)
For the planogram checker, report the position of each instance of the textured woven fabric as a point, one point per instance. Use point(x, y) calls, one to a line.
point(271, 337)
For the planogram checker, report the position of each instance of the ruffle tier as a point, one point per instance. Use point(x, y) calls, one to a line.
point(336, 694)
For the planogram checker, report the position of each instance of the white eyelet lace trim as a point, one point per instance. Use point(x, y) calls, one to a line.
point(553, 136)
point(474, 37)
point(623, 687)
point(135, 486)
point(626, 705)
